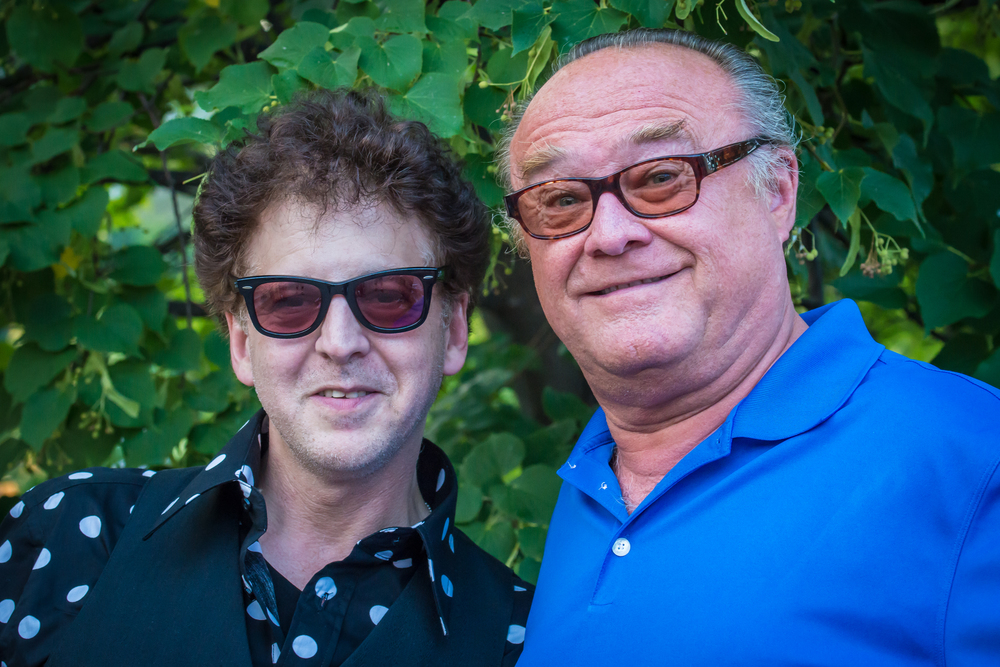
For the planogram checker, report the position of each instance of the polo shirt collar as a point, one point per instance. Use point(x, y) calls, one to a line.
point(804, 387)
point(240, 460)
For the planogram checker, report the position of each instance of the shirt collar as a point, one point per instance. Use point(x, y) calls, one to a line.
point(239, 463)
point(804, 387)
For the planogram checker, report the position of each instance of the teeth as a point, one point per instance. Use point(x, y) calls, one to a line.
point(334, 393)
point(632, 284)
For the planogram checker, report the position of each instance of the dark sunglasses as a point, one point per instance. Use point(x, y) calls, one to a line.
point(390, 301)
point(652, 188)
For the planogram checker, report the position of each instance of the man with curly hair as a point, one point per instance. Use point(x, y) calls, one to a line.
point(342, 250)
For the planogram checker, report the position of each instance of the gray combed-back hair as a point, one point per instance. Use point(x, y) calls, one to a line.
point(759, 100)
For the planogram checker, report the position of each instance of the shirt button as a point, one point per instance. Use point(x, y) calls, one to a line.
point(621, 547)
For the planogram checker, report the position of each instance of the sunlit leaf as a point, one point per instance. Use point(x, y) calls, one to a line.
point(245, 86)
point(204, 36)
point(45, 34)
point(842, 190)
point(293, 44)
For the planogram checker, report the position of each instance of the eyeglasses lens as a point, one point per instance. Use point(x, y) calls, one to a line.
point(653, 188)
point(391, 302)
point(287, 307)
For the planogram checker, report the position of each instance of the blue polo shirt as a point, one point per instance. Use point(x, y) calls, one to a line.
point(846, 513)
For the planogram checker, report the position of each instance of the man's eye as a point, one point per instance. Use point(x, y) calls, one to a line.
point(567, 200)
point(661, 178)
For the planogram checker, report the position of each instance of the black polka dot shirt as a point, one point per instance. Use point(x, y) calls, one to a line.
point(57, 540)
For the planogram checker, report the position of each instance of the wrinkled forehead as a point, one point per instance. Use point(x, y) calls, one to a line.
point(599, 109)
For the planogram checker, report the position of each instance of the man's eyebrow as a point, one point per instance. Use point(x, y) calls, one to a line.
point(655, 132)
point(538, 159)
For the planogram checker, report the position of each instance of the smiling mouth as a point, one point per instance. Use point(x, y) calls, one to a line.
point(333, 393)
point(645, 281)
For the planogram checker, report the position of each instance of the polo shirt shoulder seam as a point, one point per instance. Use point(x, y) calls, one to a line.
point(900, 359)
point(963, 533)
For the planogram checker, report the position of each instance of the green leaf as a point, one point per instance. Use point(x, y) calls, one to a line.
point(889, 194)
point(651, 13)
point(452, 22)
point(14, 128)
point(45, 34)
point(842, 190)
point(493, 14)
point(137, 265)
point(38, 245)
point(470, 501)
point(919, 173)
point(139, 74)
point(211, 394)
point(527, 25)
point(947, 294)
point(560, 405)
point(491, 459)
point(995, 261)
point(151, 305)
point(483, 106)
point(446, 57)
point(504, 68)
point(126, 39)
point(881, 290)
point(184, 352)
point(434, 100)
point(287, 84)
point(59, 186)
point(975, 138)
point(393, 64)
point(118, 330)
point(898, 90)
point(114, 165)
point(87, 212)
point(319, 67)
point(152, 445)
point(854, 225)
point(809, 95)
point(989, 369)
point(247, 12)
point(532, 540)
point(402, 16)
point(203, 37)
point(293, 44)
point(43, 413)
point(754, 22)
point(485, 183)
point(48, 321)
point(133, 381)
point(31, 368)
point(55, 141)
point(179, 131)
point(68, 108)
point(109, 115)
point(539, 487)
point(210, 438)
point(498, 540)
point(245, 86)
point(962, 353)
point(577, 20)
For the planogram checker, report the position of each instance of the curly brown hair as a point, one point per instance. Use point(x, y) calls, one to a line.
point(338, 149)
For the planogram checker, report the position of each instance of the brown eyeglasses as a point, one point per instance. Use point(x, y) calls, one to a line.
point(652, 188)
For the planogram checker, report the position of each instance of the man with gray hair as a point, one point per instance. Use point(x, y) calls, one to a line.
point(759, 487)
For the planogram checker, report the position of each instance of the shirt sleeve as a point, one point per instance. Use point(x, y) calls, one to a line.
point(972, 622)
point(54, 544)
point(523, 594)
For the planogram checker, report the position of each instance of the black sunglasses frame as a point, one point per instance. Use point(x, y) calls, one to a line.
point(703, 164)
point(328, 290)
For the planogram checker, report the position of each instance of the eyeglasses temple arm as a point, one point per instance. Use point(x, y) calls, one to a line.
point(727, 155)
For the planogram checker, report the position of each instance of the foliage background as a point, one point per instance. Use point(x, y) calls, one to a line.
point(111, 109)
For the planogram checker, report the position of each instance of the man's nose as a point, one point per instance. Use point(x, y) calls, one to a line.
point(341, 336)
point(614, 229)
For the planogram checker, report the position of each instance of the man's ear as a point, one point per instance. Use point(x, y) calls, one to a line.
point(457, 335)
point(239, 350)
point(782, 200)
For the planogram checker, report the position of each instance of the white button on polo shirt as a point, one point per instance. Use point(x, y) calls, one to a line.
point(621, 547)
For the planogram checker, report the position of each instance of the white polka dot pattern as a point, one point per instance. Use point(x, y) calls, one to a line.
point(275, 654)
point(515, 634)
point(54, 500)
point(28, 627)
point(376, 613)
point(5, 551)
point(90, 526)
point(76, 594)
point(44, 556)
point(304, 646)
point(6, 609)
point(216, 461)
point(16, 510)
point(446, 585)
point(255, 612)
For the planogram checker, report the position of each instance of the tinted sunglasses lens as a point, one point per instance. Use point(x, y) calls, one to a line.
point(391, 302)
point(557, 207)
point(287, 307)
point(661, 187)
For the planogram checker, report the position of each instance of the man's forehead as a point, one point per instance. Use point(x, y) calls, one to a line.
point(615, 98)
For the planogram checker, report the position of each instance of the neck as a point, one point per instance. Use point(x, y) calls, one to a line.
point(651, 438)
point(313, 520)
